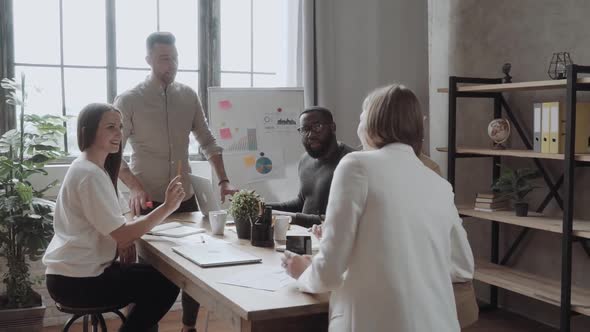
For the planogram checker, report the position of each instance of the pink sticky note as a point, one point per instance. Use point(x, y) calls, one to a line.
point(225, 104)
point(225, 133)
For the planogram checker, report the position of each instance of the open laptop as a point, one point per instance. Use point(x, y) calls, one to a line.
point(215, 254)
point(206, 200)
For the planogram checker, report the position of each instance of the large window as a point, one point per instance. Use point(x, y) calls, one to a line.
point(77, 52)
point(258, 38)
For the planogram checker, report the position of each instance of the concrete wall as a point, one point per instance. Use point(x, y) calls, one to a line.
point(363, 45)
point(474, 38)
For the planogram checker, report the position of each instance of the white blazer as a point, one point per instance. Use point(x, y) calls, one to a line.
point(392, 245)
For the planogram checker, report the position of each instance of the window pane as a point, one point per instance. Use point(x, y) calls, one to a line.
point(193, 145)
point(43, 87)
point(84, 32)
point(127, 79)
point(268, 81)
point(270, 35)
point(189, 78)
point(181, 17)
point(82, 87)
point(36, 31)
point(235, 35)
point(136, 19)
point(235, 80)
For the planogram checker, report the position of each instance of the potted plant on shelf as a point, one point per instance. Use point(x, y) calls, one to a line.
point(516, 185)
point(244, 208)
point(26, 220)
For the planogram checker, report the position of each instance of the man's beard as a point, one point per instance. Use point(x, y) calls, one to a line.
point(168, 78)
point(322, 150)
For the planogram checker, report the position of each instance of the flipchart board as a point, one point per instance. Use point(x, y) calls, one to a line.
point(257, 128)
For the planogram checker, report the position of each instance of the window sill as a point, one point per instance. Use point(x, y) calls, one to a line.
point(68, 160)
point(57, 171)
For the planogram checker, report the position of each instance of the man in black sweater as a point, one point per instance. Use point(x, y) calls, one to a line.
point(316, 167)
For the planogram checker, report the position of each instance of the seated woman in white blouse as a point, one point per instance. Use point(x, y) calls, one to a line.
point(393, 242)
point(90, 229)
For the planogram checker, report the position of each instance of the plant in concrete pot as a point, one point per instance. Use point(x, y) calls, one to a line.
point(26, 221)
point(244, 208)
point(516, 185)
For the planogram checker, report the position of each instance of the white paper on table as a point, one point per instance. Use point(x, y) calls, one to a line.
point(263, 278)
point(175, 229)
point(198, 238)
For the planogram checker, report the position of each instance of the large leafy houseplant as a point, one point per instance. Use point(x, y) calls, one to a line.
point(26, 220)
point(245, 206)
point(516, 184)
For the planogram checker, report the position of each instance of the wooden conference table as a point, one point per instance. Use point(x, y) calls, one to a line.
point(246, 309)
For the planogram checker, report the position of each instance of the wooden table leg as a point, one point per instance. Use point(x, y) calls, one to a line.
point(308, 323)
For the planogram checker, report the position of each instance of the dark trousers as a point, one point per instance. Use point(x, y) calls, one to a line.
point(141, 284)
point(190, 307)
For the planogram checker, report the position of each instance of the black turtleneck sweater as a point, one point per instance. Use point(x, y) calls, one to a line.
point(315, 179)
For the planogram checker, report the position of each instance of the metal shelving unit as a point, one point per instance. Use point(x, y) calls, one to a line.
point(495, 273)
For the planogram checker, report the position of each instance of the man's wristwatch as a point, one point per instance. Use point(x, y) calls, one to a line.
point(222, 181)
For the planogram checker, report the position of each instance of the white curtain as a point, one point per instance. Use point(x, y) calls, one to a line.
point(316, 29)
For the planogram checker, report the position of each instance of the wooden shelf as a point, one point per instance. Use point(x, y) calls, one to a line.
point(520, 86)
point(540, 288)
point(515, 153)
point(581, 228)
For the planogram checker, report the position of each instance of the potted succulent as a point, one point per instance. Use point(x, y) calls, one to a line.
point(26, 221)
point(516, 185)
point(244, 208)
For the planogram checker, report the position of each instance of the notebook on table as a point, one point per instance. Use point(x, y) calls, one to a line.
point(215, 254)
point(175, 229)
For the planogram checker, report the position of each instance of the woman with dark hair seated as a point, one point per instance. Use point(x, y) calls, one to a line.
point(91, 231)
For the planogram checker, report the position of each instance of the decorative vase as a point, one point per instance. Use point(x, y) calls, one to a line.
point(521, 209)
point(243, 228)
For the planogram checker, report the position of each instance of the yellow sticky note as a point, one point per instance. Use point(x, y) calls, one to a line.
point(249, 161)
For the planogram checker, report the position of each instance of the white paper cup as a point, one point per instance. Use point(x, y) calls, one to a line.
point(217, 220)
point(281, 227)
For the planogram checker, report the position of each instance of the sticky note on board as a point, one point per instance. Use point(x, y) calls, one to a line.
point(225, 133)
point(225, 104)
point(249, 161)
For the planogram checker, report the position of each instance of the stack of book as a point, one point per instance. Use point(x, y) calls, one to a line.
point(490, 202)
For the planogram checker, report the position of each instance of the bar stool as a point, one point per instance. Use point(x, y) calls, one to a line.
point(94, 313)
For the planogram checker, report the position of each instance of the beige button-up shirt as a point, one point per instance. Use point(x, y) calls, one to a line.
point(157, 123)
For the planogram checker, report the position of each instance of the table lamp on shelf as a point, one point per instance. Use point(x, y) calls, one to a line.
point(557, 66)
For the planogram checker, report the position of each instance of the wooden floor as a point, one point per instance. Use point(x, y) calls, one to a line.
point(494, 321)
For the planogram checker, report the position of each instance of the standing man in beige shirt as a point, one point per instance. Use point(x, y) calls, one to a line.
point(158, 116)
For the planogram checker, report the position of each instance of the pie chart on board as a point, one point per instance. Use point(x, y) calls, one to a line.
point(263, 164)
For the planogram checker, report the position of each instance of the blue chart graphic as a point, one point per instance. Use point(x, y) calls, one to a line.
point(263, 164)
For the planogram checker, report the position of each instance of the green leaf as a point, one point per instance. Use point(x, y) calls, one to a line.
point(9, 84)
point(39, 158)
point(42, 147)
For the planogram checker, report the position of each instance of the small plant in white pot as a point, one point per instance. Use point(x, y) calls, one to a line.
point(516, 184)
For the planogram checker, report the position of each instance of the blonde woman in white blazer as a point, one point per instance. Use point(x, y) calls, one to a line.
point(393, 242)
